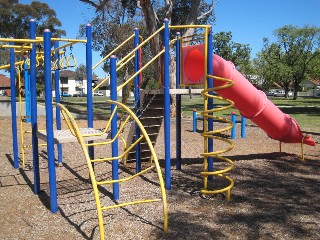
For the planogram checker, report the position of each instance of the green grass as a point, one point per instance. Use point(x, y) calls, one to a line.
point(305, 110)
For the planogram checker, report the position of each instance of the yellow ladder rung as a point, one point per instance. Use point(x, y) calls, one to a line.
point(104, 159)
point(131, 203)
point(27, 146)
point(125, 179)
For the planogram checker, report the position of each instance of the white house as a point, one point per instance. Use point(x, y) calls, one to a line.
point(69, 83)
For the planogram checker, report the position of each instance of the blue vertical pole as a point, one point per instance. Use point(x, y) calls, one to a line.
point(13, 108)
point(194, 117)
point(57, 98)
point(166, 74)
point(234, 128)
point(243, 126)
point(26, 78)
point(49, 120)
point(114, 125)
point(34, 111)
point(137, 97)
point(178, 103)
point(89, 83)
point(210, 100)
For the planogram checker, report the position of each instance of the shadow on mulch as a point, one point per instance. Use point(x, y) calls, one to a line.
point(264, 203)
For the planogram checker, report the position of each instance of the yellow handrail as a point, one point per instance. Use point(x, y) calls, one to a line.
point(142, 44)
point(140, 70)
point(112, 52)
point(107, 78)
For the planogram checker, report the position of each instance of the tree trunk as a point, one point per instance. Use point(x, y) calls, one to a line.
point(173, 86)
point(152, 21)
point(192, 19)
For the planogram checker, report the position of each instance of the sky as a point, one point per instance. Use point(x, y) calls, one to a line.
point(248, 20)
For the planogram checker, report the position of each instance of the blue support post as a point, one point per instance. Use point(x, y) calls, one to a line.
point(114, 125)
point(34, 111)
point(210, 100)
point(194, 120)
point(178, 102)
point(137, 97)
point(49, 120)
point(234, 128)
point(166, 90)
point(57, 99)
point(13, 108)
point(89, 83)
point(26, 77)
point(243, 126)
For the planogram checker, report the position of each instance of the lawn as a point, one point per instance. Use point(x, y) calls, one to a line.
point(305, 110)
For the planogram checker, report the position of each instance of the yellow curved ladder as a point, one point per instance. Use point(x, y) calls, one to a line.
point(154, 164)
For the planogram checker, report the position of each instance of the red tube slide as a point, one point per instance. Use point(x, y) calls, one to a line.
point(251, 102)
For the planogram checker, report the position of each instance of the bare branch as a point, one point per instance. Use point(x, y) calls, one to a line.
point(169, 6)
point(98, 6)
point(92, 3)
point(210, 10)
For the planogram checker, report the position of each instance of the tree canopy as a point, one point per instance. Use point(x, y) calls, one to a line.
point(114, 22)
point(14, 22)
point(238, 53)
point(15, 18)
point(291, 59)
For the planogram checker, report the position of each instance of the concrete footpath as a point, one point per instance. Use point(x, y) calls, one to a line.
point(5, 109)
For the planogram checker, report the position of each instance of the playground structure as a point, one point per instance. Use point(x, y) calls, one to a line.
point(201, 74)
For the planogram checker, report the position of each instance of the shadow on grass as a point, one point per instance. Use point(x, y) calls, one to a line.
point(312, 111)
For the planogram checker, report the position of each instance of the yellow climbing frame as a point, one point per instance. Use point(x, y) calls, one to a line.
point(131, 118)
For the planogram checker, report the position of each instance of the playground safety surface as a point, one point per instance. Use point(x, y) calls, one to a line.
point(276, 194)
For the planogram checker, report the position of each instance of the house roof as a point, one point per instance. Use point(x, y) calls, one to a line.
point(67, 73)
point(315, 81)
point(277, 85)
point(72, 74)
point(105, 84)
point(4, 81)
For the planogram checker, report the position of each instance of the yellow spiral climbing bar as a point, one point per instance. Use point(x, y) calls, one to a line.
point(208, 114)
point(74, 129)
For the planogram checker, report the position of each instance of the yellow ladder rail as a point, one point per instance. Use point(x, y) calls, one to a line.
point(73, 127)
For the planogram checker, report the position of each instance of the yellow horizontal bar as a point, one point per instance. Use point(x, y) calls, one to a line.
point(15, 46)
point(69, 40)
point(16, 40)
point(131, 203)
point(189, 26)
point(61, 47)
point(127, 178)
point(118, 157)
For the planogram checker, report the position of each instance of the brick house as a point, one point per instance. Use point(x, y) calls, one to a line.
point(5, 86)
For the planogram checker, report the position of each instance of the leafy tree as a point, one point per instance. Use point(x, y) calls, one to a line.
point(237, 53)
point(14, 22)
point(114, 18)
point(313, 72)
point(81, 72)
point(288, 61)
point(15, 18)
